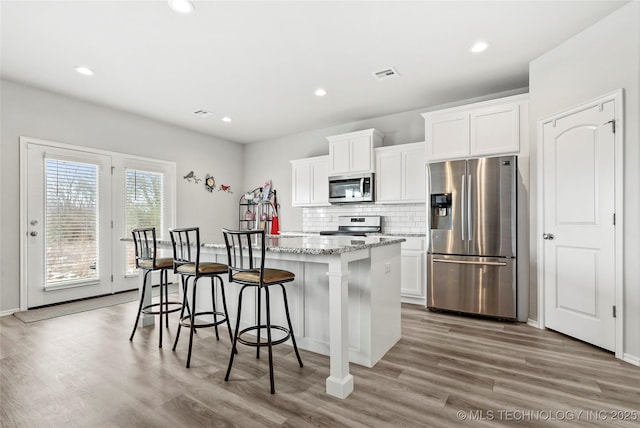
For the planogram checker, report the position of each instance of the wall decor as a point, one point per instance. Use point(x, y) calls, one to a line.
point(225, 188)
point(192, 176)
point(210, 183)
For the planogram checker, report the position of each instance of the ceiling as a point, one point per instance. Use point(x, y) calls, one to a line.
point(260, 62)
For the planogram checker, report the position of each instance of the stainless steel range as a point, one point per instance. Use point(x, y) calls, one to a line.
point(356, 226)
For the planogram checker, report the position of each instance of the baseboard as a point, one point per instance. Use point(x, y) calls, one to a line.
point(413, 300)
point(9, 312)
point(631, 359)
point(533, 323)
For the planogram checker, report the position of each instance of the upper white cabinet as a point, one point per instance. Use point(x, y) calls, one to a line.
point(309, 181)
point(481, 129)
point(400, 173)
point(353, 152)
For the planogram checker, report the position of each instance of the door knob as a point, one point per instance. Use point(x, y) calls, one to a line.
point(548, 236)
point(33, 233)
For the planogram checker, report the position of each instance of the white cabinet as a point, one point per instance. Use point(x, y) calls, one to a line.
point(481, 129)
point(353, 152)
point(400, 173)
point(413, 270)
point(309, 182)
point(447, 135)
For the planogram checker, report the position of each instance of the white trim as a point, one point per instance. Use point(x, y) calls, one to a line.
point(631, 359)
point(534, 323)
point(9, 312)
point(617, 97)
point(23, 225)
point(24, 139)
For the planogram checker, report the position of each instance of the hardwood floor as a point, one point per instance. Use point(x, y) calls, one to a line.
point(81, 371)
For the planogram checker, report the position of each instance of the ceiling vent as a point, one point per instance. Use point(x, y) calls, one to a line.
point(385, 74)
point(202, 113)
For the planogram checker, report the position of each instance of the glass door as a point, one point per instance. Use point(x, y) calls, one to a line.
point(69, 225)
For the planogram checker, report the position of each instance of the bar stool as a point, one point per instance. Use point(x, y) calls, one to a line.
point(186, 262)
point(144, 240)
point(246, 270)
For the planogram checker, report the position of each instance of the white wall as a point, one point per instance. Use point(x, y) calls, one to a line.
point(34, 113)
point(597, 61)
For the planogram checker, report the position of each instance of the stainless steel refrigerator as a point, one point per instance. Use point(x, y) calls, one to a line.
point(471, 211)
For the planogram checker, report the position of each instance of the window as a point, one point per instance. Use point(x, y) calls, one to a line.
point(71, 223)
point(144, 206)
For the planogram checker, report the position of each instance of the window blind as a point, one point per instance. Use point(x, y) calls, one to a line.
point(144, 203)
point(71, 222)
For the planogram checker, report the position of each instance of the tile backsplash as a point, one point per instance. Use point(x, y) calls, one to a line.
point(405, 218)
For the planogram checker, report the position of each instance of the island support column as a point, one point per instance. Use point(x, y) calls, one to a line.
point(340, 382)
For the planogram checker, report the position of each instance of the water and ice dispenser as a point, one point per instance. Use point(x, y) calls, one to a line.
point(441, 211)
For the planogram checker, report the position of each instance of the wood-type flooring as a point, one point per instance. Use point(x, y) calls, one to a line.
point(81, 371)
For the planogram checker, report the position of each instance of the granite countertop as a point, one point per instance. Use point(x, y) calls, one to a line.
point(406, 234)
point(319, 245)
point(326, 244)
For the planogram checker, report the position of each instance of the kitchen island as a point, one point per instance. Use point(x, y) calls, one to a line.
point(344, 302)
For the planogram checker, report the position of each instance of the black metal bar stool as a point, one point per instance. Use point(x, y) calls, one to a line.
point(144, 240)
point(186, 262)
point(246, 270)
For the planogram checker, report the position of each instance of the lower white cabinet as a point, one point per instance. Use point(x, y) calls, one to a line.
point(413, 270)
point(309, 182)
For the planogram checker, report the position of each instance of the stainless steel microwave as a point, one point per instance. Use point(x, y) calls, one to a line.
point(345, 189)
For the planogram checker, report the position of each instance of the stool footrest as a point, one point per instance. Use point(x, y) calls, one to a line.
point(175, 307)
point(262, 342)
point(185, 321)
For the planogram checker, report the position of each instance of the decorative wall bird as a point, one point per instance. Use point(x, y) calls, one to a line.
point(225, 188)
point(192, 176)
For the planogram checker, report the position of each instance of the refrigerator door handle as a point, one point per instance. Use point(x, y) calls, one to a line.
point(469, 216)
point(463, 203)
point(465, 262)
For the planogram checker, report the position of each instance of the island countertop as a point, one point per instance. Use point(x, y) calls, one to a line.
point(315, 245)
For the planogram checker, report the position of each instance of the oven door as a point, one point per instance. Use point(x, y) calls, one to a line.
point(345, 189)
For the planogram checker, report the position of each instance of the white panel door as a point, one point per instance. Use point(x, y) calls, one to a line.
point(68, 217)
point(579, 231)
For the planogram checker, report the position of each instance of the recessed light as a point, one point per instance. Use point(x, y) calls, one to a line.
point(181, 6)
point(479, 47)
point(85, 70)
point(320, 92)
point(226, 119)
